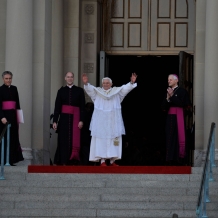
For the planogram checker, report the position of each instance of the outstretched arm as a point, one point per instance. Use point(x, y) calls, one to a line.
point(129, 86)
point(88, 88)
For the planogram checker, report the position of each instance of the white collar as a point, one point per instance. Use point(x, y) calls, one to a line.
point(70, 86)
point(107, 94)
point(107, 91)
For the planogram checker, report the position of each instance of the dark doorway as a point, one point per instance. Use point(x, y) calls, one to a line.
point(144, 142)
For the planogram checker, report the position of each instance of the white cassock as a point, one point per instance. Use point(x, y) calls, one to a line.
point(107, 125)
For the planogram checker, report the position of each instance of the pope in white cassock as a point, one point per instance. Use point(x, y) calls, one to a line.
point(107, 125)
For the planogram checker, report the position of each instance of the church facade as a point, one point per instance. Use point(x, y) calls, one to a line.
point(41, 40)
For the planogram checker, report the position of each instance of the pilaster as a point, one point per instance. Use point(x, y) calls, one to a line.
point(42, 11)
point(18, 60)
point(3, 10)
point(199, 74)
point(57, 71)
point(72, 38)
point(211, 66)
point(89, 39)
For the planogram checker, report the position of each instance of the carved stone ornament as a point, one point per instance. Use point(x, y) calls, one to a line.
point(89, 9)
point(89, 37)
point(88, 67)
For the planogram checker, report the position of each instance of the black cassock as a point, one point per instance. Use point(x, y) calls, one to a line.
point(179, 99)
point(73, 96)
point(11, 94)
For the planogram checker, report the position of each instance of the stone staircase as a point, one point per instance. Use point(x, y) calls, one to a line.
point(102, 195)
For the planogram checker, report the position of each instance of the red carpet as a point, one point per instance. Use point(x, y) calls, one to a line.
point(117, 170)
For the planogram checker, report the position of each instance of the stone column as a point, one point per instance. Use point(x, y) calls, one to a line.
point(42, 11)
point(211, 69)
point(3, 4)
point(18, 60)
point(57, 72)
point(199, 75)
point(89, 42)
point(71, 37)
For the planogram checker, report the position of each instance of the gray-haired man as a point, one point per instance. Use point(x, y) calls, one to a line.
point(107, 125)
point(9, 104)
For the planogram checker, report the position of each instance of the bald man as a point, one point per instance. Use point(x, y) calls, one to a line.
point(68, 121)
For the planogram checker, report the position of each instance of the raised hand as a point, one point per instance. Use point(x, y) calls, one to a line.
point(133, 77)
point(85, 78)
point(169, 91)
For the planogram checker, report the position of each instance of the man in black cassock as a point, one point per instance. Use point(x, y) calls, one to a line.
point(68, 121)
point(9, 103)
point(174, 103)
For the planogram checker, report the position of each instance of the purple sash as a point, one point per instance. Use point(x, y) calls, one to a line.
point(181, 128)
point(67, 109)
point(8, 105)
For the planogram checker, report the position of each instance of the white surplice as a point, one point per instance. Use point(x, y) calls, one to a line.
point(107, 122)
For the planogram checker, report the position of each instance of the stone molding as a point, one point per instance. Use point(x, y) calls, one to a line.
point(27, 153)
point(28, 157)
point(88, 67)
point(89, 37)
point(89, 9)
point(38, 156)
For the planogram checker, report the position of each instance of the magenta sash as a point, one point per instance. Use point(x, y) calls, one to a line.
point(181, 128)
point(8, 105)
point(67, 109)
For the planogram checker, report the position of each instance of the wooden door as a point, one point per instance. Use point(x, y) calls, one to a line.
point(172, 25)
point(125, 25)
point(186, 81)
point(148, 26)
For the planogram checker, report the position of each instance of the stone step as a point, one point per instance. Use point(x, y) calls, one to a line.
point(102, 177)
point(107, 184)
point(153, 198)
point(97, 191)
point(104, 205)
point(25, 194)
point(20, 173)
point(103, 198)
point(85, 217)
point(40, 197)
point(101, 205)
point(79, 202)
point(98, 210)
point(94, 213)
point(59, 216)
point(199, 170)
